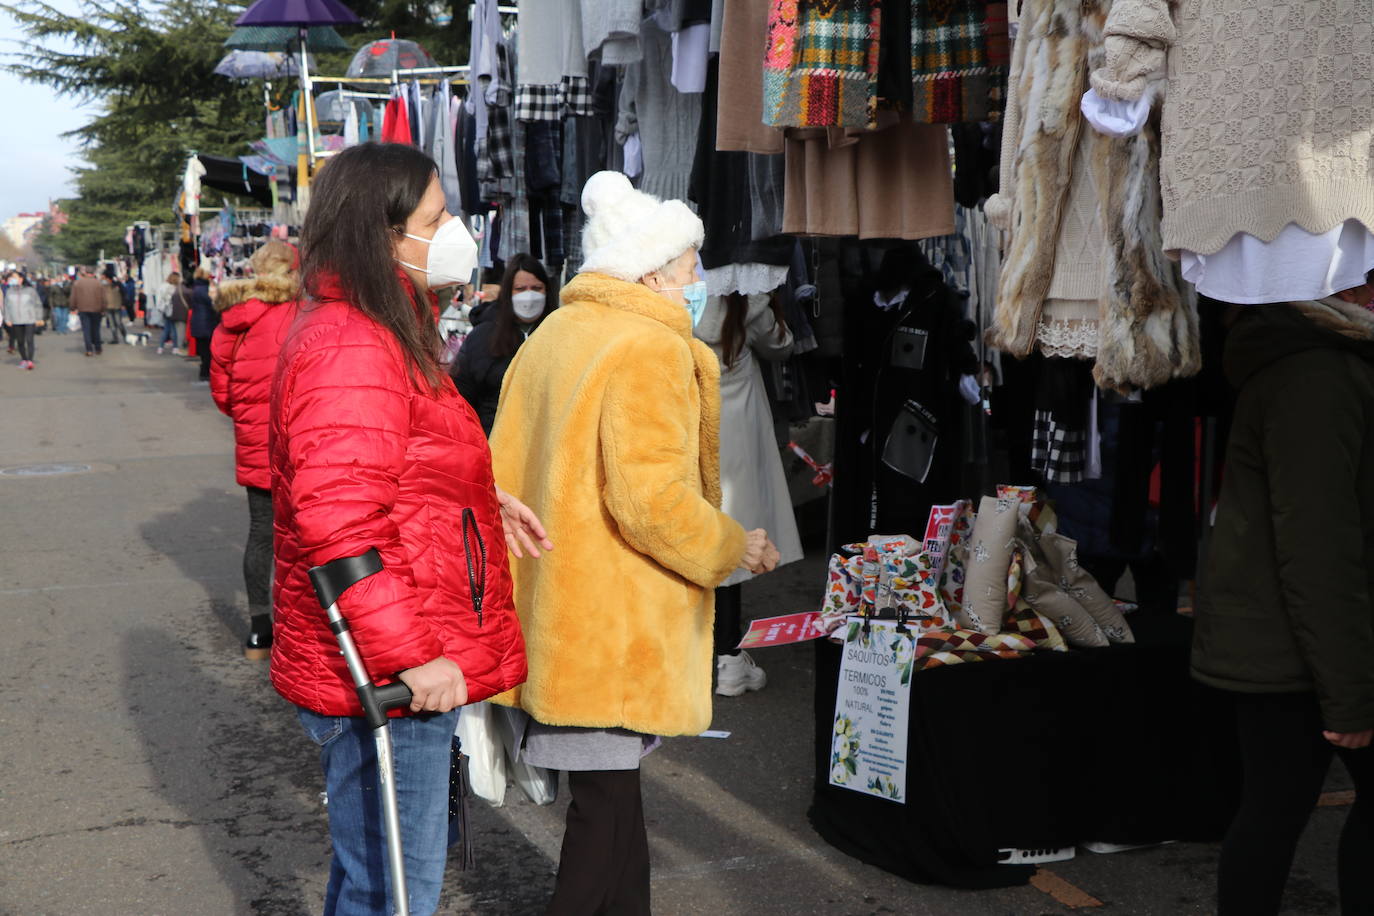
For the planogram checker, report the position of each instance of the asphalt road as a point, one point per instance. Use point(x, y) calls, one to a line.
point(147, 768)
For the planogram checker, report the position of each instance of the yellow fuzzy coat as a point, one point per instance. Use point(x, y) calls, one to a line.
point(608, 428)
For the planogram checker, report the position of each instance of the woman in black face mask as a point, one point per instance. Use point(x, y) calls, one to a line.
point(499, 329)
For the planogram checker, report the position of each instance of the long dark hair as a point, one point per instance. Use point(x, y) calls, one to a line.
point(363, 197)
point(733, 334)
point(505, 333)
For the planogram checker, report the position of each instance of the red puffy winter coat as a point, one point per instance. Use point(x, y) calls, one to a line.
point(255, 316)
point(365, 456)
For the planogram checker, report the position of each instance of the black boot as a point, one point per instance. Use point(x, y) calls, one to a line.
point(258, 646)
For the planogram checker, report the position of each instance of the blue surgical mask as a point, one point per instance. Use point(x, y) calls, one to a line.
point(694, 298)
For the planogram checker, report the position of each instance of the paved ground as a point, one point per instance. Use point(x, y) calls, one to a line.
point(146, 768)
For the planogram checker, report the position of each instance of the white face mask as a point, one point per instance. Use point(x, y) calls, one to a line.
point(452, 255)
point(528, 305)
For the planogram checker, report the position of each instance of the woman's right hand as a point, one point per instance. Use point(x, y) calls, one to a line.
point(435, 686)
point(760, 556)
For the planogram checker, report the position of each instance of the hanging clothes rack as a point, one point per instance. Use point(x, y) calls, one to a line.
point(418, 72)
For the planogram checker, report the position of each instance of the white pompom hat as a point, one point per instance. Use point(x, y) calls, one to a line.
point(630, 233)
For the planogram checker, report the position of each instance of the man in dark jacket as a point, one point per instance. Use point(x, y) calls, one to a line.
point(1286, 618)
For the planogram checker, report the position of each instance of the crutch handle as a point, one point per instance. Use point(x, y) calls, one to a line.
point(336, 577)
point(331, 580)
point(377, 700)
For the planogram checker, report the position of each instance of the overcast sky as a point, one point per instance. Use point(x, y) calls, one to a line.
point(36, 158)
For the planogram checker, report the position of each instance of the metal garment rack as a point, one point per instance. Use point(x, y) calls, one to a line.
point(436, 77)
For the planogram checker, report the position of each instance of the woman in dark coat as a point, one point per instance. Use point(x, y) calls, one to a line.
point(498, 331)
point(1286, 617)
point(204, 320)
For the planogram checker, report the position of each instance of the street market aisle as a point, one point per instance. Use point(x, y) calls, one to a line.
point(147, 768)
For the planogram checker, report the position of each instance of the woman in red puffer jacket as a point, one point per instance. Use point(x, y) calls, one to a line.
point(372, 447)
point(255, 314)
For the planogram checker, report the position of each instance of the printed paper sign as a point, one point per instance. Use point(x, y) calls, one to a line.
point(938, 528)
point(781, 631)
point(872, 703)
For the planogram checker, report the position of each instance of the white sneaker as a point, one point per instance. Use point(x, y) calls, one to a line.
point(737, 673)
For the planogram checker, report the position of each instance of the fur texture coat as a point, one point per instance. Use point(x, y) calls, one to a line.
point(608, 428)
point(1148, 328)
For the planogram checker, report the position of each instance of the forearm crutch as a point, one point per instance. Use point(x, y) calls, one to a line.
point(331, 580)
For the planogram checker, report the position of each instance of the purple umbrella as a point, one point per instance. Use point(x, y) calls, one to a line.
point(302, 14)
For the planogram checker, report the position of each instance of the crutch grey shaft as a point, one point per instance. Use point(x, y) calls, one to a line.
point(331, 580)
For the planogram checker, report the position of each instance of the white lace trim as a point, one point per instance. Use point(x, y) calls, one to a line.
point(748, 279)
point(1068, 338)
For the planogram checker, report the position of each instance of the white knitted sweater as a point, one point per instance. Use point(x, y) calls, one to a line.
point(1269, 115)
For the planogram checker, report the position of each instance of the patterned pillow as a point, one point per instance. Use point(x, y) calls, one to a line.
point(944, 659)
point(952, 579)
point(970, 641)
point(1024, 620)
point(1040, 589)
point(1062, 555)
point(989, 562)
point(879, 575)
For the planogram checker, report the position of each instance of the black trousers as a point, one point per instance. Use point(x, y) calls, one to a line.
point(604, 867)
point(257, 553)
point(1286, 759)
point(729, 619)
point(117, 332)
point(90, 330)
point(23, 338)
point(203, 351)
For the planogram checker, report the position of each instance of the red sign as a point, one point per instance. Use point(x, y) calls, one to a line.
point(782, 631)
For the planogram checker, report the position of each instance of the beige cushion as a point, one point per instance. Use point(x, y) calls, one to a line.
point(1062, 555)
point(1040, 589)
point(989, 560)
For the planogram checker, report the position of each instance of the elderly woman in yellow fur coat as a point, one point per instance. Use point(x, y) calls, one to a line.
point(608, 428)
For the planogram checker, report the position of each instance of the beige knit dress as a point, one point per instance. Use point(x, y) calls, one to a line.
point(1269, 116)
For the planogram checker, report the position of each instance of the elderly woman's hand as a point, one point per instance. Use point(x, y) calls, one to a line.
point(524, 531)
point(760, 556)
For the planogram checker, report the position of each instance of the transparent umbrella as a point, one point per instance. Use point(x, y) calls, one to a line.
point(259, 65)
point(379, 58)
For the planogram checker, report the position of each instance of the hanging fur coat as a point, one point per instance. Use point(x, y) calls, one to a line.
point(1147, 322)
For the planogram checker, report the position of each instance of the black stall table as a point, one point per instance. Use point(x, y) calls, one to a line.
point(1115, 745)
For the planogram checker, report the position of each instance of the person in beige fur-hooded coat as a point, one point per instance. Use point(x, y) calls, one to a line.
point(255, 314)
point(1084, 273)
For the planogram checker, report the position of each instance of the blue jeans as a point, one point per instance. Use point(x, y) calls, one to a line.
point(59, 318)
point(171, 333)
point(359, 882)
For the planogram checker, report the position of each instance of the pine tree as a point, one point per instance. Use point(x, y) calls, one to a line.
point(151, 66)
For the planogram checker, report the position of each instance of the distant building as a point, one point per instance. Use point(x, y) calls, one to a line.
point(21, 227)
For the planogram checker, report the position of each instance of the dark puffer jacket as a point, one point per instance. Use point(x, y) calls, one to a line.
point(255, 315)
point(1288, 604)
point(204, 318)
point(477, 373)
point(364, 457)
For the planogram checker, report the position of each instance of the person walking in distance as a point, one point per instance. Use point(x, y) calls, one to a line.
point(114, 305)
point(608, 424)
point(177, 304)
point(204, 320)
point(88, 299)
point(23, 314)
point(59, 301)
point(255, 315)
point(372, 448)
